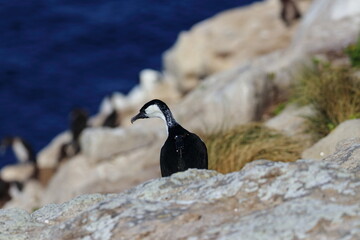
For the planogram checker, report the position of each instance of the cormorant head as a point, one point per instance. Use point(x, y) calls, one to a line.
point(78, 113)
point(153, 109)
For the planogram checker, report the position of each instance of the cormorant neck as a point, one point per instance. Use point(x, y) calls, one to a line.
point(169, 119)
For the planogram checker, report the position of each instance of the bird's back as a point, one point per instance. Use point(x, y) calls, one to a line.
point(181, 151)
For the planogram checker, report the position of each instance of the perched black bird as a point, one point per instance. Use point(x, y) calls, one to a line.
point(4, 192)
point(113, 118)
point(23, 152)
point(289, 12)
point(182, 149)
point(78, 122)
point(8, 190)
point(22, 149)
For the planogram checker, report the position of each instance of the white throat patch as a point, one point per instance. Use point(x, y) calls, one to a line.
point(20, 151)
point(153, 111)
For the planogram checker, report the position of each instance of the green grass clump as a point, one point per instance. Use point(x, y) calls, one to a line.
point(230, 150)
point(279, 108)
point(334, 92)
point(353, 52)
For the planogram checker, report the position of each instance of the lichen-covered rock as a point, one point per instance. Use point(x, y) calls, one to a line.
point(266, 200)
point(327, 145)
point(347, 154)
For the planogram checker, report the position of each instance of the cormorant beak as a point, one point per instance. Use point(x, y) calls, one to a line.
point(138, 116)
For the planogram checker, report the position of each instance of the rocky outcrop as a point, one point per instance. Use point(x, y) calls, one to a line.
point(240, 35)
point(122, 160)
point(347, 154)
point(266, 200)
point(99, 144)
point(17, 172)
point(225, 41)
point(327, 145)
point(28, 197)
point(229, 98)
point(153, 84)
point(328, 25)
point(243, 93)
point(291, 120)
point(48, 157)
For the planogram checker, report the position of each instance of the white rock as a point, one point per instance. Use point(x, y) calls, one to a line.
point(291, 120)
point(112, 160)
point(119, 101)
point(48, 157)
point(227, 99)
point(105, 106)
point(225, 41)
point(149, 79)
point(29, 198)
point(327, 145)
point(328, 25)
point(17, 172)
point(98, 144)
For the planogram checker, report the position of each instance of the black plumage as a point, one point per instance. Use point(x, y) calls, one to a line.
point(182, 149)
point(78, 122)
point(112, 120)
point(289, 12)
point(23, 152)
point(27, 156)
point(4, 192)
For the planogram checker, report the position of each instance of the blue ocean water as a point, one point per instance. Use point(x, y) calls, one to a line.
point(56, 55)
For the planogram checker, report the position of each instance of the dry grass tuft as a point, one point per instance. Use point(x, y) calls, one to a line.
point(334, 92)
point(230, 150)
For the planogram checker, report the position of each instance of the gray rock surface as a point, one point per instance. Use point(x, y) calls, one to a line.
point(347, 154)
point(327, 145)
point(266, 200)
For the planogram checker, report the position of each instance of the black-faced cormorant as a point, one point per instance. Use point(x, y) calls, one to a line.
point(22, 149)
point(182, 149)
point(112, 119)
point(78, 122)
point(289, 11)
point(23, 152)
point(4, 192)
